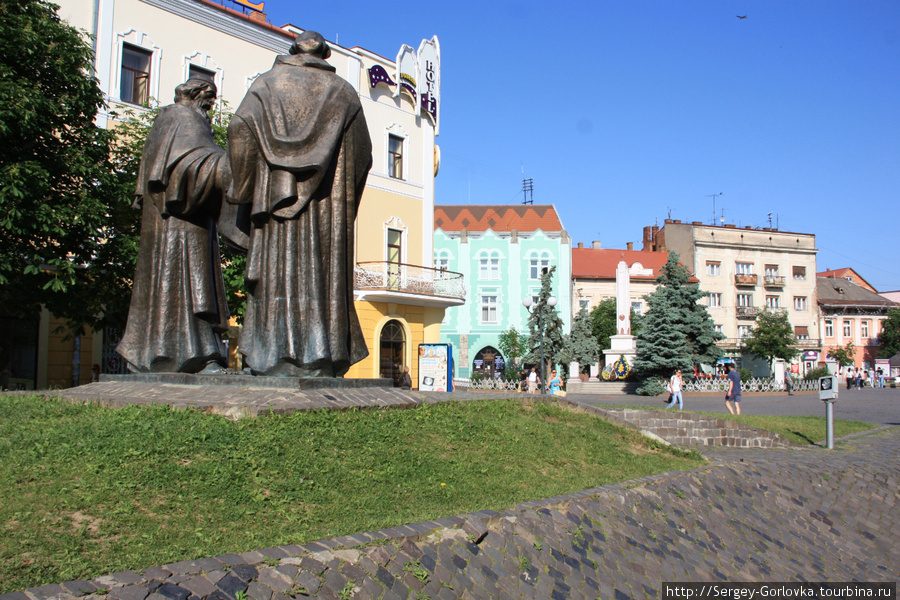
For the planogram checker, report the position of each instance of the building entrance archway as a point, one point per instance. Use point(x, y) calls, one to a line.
point(392, 351)
point(489, 362)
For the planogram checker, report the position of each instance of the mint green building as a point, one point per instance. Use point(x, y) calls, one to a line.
point(501, 250)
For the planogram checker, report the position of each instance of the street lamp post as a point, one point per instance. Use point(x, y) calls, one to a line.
point(551, 302)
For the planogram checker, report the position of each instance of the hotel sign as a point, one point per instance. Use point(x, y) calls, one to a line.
point(257, 6)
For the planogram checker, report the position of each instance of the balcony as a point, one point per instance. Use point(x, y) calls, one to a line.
point(809, 343)
point(745, 280)
point(747, 312)
point(774, 281)
point(408, 284)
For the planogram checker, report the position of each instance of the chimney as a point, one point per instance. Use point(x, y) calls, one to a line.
point(260, 17)
point(650, 239)
point(629, 246)
point(580, 245)
point(596, 245)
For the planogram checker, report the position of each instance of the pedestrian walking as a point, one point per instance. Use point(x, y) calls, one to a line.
point(406, 381)
point(555, 383)
point(789, 382)
point(734, 390)
point(675, 385)
point(533, 381)
point(879, 373)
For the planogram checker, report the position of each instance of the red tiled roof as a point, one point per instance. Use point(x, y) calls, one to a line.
point(593, 263)
point(501, 217)
point(848, 272)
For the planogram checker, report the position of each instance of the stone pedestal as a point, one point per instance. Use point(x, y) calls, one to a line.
point(622, 345)
point(574, 383)
point(248, 381)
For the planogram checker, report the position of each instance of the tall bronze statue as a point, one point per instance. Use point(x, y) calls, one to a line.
point(300, 153)
point(178, 304)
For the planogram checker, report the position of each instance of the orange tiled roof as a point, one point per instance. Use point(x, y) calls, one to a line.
point(848, 272)
point(497, 217)
point(594, 263)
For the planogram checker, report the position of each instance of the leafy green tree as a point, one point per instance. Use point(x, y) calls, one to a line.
point(889, 338)
point(60, 195)
point(772, 337)
point(553, 327)
point(512, 344)
point(843, 356)
point(580, 345)
point(674, 324)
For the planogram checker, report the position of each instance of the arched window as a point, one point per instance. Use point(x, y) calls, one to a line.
point(489, 266)
point(393, 346)
point(538, 264)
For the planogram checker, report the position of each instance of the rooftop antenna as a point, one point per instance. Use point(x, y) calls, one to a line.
point(669, 212)
point(713, 196)
point(527, 189)
point(770, 220)
point(722, 218)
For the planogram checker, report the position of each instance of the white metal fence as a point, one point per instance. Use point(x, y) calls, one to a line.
point(755, 384)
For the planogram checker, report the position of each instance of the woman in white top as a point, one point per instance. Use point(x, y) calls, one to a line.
point(675, 385)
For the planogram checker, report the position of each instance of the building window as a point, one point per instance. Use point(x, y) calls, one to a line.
point(799, 302)
point(743, 268)
point(773, 301)
point(539, 266)
point(848, 328)
point(395, 156)
point(489, 308)
point(584, 304)
point(719, 328)
point(715, 299)
point(489, 267)
point(771, 270)
point(864, 329)
point(829, 328)
point(745, 300)
point(799, 272)
point(135, 85)
point(713, 268)
point(441, 261)
point(743, 331)
point(394, 246)
point(638, 308)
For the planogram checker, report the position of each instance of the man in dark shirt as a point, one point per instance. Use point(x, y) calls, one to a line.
point(734, 390)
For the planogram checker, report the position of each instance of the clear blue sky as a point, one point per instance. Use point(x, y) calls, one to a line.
point(624, 112)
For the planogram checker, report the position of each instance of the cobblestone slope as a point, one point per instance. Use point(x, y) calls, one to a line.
point(799, 514)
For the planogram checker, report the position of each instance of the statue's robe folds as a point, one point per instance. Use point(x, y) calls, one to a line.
point(300, 153)
point(178, 304)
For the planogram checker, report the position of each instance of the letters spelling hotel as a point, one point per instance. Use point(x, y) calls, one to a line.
point(144, 48)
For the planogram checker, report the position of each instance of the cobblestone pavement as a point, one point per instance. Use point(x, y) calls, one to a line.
point(799, 514)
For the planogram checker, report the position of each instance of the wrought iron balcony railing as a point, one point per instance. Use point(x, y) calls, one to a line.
point(747, 280)
point(747, 312)
point(739, 342)
point(773, 281)
point(411, 279)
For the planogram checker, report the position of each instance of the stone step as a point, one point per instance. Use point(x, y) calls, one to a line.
point(602, 387)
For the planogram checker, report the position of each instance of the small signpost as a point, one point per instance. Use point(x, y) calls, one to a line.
point(828, 393)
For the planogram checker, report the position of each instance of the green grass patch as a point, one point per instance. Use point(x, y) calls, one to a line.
point(90, 490)
point(800, 429)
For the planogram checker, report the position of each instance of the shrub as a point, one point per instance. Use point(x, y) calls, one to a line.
point(746, 375)
point(817, 372)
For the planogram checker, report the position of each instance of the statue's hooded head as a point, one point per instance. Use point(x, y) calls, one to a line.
point(311, 42)
point(199, 90)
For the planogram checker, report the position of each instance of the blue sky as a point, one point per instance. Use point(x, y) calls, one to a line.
point(624, 112)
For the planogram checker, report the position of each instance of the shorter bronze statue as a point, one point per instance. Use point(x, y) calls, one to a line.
point(178, 305)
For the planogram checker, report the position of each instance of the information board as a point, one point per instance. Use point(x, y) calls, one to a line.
point(434, 368)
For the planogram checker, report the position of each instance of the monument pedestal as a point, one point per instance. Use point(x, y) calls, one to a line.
point(249, 381)
point(621, 345)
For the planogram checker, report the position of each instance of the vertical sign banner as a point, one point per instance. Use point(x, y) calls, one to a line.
point(434, 367)
point(430, 78)
point(407, 71)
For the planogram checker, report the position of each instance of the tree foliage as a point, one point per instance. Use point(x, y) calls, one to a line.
point(511, 344)
point(772, 337)
point(60, 194)
point(843, 356)
point(676, 331)
point(580, 345)
point(553, 326)
point(889, 338)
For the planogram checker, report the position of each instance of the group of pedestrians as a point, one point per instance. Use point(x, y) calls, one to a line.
point(859, 378)
point(532, 380)
point(675, 388)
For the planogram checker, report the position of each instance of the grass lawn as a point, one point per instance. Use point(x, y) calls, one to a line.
point(803, 430)
point(89, 490)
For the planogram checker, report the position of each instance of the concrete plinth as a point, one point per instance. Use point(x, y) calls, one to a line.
point(248, 381)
